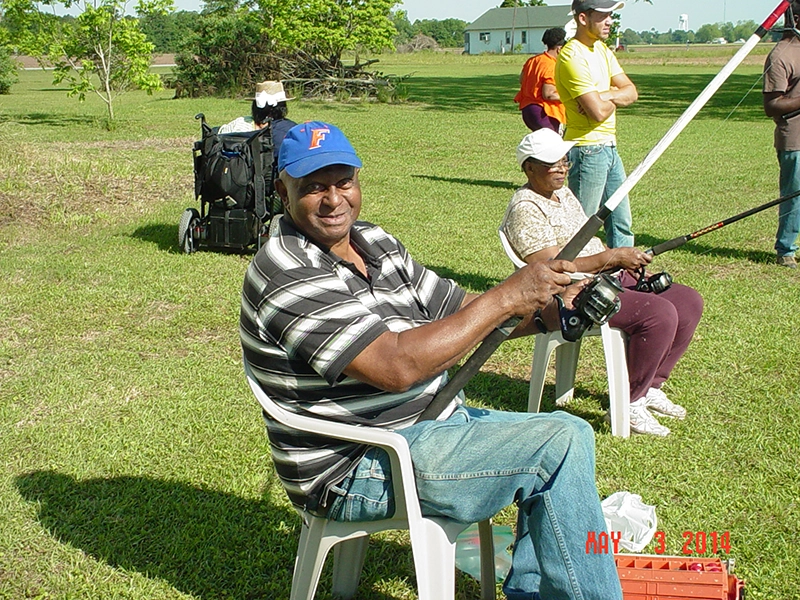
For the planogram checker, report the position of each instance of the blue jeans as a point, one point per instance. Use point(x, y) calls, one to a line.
point(789, 211)
point(596, 173)
point(475, 463)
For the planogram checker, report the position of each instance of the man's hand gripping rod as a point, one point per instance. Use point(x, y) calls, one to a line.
point(592, 226)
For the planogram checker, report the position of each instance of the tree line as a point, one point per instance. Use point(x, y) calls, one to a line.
point(708, 33)
point(169, 31)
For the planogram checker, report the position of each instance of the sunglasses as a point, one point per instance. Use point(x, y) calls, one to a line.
point(562, 165)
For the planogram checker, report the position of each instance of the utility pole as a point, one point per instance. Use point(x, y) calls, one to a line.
point(513, 25)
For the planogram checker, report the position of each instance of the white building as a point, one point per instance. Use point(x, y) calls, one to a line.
point(503, 29)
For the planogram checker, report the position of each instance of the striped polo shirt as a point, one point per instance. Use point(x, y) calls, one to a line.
point(305, 315)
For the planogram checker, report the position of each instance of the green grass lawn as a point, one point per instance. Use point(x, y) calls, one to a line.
point(133, 459)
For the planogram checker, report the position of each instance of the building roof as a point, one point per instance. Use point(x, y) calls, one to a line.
point(528, 17)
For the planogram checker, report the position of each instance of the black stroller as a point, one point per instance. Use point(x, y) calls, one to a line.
point(234, 179)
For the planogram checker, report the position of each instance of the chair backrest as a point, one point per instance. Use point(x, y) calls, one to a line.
point(518, 262)
point(406, 500)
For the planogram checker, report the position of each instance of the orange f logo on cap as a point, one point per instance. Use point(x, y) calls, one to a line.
point(317, 135)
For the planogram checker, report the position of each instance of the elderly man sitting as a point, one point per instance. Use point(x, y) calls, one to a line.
point(339, 322)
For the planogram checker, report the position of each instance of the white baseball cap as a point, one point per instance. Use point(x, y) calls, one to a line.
point(606, 6)
point(544, 145)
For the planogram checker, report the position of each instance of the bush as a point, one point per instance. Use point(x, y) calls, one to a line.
point(9, 71)
point(216, 62)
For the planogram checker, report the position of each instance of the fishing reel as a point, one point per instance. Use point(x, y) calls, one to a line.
point(655, 284)
point(595, 304)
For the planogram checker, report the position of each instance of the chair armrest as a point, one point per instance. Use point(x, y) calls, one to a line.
point(394, 444)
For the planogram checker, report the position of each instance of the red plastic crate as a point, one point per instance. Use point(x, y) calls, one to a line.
point(655, 577)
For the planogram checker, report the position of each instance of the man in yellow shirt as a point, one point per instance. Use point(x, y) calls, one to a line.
point(592, 85)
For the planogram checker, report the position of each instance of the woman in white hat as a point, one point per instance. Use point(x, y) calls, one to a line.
point(269, 106)
point(542, 217)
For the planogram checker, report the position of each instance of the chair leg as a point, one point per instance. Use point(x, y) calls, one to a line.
point(619, 394)
point(348, 560)
point(311, 553)
point(434, 559)
point(488, 588)
point(566, 367)
point(543, 347)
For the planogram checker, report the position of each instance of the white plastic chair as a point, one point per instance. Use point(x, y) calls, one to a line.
point(433, 540)
point(614, 342)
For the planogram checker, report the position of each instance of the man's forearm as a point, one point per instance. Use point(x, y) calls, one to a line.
point(624, 97)
point(781, 105)
point(397, 361)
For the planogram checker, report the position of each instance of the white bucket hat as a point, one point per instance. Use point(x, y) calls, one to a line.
point(270, 92)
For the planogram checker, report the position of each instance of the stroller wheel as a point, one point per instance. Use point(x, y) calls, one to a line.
point(189, 220)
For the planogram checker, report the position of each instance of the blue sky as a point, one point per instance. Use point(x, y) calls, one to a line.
point(661, 15)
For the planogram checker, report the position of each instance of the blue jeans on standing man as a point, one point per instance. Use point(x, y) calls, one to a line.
point(789, 211)
point(476, 462)
point(597, 171)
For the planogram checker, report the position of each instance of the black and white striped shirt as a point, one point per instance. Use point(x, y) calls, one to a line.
point(305, 315)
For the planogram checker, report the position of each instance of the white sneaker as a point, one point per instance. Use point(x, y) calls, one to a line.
point(657, 400)
point(643, 422)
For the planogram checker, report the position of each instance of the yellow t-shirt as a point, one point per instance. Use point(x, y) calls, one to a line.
point(579, 70)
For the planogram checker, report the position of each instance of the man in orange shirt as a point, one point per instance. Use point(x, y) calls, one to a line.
point(537, 97)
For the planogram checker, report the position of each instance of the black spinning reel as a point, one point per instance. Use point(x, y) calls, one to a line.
point(595, 304)
point(655, 284)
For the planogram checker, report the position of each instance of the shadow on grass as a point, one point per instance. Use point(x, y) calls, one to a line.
point(205, 543)
point(693, 247)
point(660, 95)
point(165, 236)
point(501, 392)
point(162, 235)
point(506, 185)
point(49, 119)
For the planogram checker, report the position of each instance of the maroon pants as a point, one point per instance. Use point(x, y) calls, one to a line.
point(659, 328)
point(535, 118)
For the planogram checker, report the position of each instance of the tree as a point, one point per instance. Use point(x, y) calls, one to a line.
point(8, 66)
point(513, 3)
point(707, 33)
point(213, 61)
point(301, 41)
point(448, 33)
point(630, 37)
point(167, 31)
point(743, 30)
point(405, 30)
point(101, 43)
point(328, 28)
point(8, 70)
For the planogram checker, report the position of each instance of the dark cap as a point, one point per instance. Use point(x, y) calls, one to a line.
point(582, 6)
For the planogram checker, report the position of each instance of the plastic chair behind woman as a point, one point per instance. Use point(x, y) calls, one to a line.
point(614, 342)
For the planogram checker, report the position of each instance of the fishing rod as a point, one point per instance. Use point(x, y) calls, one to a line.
point(682, 239)
point(492, 341)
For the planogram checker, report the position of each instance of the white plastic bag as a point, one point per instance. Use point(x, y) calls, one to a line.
point(636, 521)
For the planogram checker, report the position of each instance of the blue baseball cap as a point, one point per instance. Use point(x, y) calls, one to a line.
point(311, 146)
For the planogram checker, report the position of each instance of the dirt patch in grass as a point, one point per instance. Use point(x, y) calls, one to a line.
point(149, 144)
point(60, 186)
